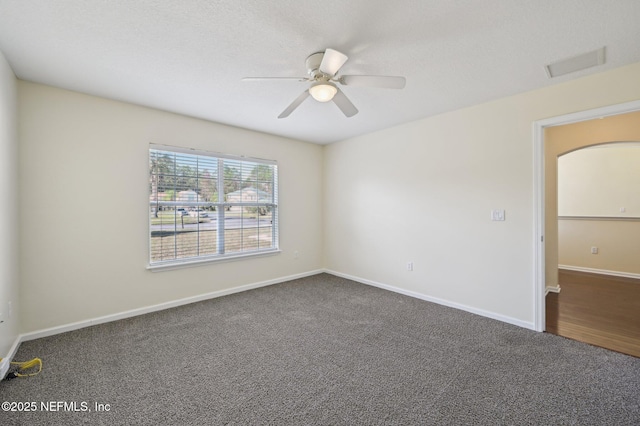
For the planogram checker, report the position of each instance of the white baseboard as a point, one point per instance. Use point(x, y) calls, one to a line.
point(4, 367)
point(6, 361)
point(600, 271)
point(477, 311)
point(551, 289)
point(175, 303)
point(159, 307)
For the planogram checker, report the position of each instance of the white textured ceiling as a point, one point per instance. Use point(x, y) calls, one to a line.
point(189, 56)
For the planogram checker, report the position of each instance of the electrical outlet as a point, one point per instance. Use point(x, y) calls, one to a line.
point(594, 250)
point(409, 266)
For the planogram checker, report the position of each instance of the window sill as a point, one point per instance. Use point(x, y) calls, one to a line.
point(168, 266)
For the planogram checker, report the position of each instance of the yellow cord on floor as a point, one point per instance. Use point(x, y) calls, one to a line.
point(26, 365)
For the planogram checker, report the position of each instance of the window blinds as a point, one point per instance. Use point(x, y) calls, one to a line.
point(206, 205)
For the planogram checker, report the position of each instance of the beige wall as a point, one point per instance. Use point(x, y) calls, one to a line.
point(602, 180)
point(559, 140)
point(420, 192)
point(423, 192)
point(84, 209)
point(594, 185)
point(618, 243)
point(9, 217)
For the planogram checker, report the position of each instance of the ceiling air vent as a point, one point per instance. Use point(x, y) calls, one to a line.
point(577, 63)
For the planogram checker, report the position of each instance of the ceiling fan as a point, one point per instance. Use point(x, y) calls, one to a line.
point(323, 68)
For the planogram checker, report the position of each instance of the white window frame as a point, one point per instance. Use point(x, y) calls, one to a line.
point(220, 209)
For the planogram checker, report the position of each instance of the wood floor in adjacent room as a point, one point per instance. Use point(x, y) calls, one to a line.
point(602, 310)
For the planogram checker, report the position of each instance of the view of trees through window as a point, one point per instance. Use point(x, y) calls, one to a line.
point(203, 205)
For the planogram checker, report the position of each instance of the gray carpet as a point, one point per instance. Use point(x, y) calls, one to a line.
point(323, 351)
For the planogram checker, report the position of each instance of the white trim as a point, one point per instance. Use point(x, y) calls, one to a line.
point(576, 117)
point(604, 218)
point(481, 312)
point(552, 289)
point(539, 207)
point(159, 307)
point(6, 361)
point(539, 277)
point(600, 271)
point(212, 295)
point(179, 264)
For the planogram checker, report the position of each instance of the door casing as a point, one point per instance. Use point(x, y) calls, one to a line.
point(539, 287)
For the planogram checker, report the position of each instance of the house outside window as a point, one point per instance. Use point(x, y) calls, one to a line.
point(205, 206)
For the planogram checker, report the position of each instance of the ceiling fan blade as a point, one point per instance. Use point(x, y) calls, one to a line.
point(345, 104)
point(274, 78)
point(295, 104)
point(383, 81)
point(332, 61)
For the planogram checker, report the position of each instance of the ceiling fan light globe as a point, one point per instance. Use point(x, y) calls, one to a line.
point(323, 91)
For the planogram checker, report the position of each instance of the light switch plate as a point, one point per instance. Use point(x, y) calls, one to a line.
point(497, 215)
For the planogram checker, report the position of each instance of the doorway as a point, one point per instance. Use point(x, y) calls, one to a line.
point(598, 216)
point(552, 137)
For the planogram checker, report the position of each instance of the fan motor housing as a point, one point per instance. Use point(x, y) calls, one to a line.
point(313, 63)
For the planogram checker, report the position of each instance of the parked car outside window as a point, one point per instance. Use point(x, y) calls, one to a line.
point(198, 213)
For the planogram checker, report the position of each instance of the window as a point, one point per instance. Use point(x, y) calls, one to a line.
point(205, 206)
